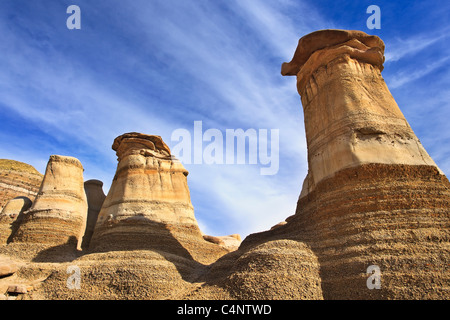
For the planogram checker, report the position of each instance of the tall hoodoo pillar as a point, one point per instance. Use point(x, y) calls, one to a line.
point(58, 215)
point(373, 196)
point(149, 197)
point(350, 116)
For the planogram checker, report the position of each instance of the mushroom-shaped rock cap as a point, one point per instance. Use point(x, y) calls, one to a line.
point(94, 182)
point(321, 39)
point(146, 141)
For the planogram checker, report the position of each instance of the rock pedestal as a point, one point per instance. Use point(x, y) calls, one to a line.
point(372, 196)
point(95, 198)
point(58, 215)
point(11, 216)
point(148, 205)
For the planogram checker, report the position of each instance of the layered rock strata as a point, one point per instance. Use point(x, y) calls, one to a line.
point(148, 200)
point(18, 179)
point(95, 198)
point(58, 215)
point(11, 217)
point(372, 196)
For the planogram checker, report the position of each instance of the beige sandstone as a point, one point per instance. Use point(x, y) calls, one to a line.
point(58, 215)
point(372, 196)
point(146, 243)
point(18, 179)
point(95, 198)
point(231, 242)
point(149, 200)
point(11, 216)
point(350, 116)
point(7, 267)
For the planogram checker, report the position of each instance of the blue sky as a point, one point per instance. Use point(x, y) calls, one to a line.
point(156, 66)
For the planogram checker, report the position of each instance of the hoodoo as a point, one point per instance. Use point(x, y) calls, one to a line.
point(373, 195)
point(351, 118)
point(18, 179)
point(148, 205)
point(58, 215)
point(95, 198)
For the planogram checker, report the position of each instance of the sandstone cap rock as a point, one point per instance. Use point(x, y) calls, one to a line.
point(321, 39)
point(58, 215)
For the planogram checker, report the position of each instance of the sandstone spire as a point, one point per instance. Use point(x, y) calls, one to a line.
point(18, 179)
point(372, 196)
point(58, 215)
point(350, 116)
point(149, 200)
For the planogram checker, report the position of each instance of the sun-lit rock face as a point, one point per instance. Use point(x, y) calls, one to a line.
point(58, 215)
point(11, 216)
point(350, 116)
point(148, 184)
point(373, 200)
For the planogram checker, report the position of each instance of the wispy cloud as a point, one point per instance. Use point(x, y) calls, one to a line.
point(404, 77)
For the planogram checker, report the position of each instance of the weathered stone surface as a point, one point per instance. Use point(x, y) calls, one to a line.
point(7, 267)
point(95, 198)
point(149, 187)
point(373, 196)
point(17, 289)
point(18, 179)
point(11, 216)
point(230, 242)
point(146, 229)
point(281, 269)
point(148, 205)
point(58, 215)
point(350, 116)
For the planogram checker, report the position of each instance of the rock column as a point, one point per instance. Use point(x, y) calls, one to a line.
point(11, 216)
point(95, 198)
point(149, 202)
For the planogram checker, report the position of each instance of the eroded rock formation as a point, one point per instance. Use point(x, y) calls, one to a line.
point(148, 205)
point(146, 237)
point(372, 197)
point(350, 116)
point(18, 179)
point(95, 198)
point(58, 215)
